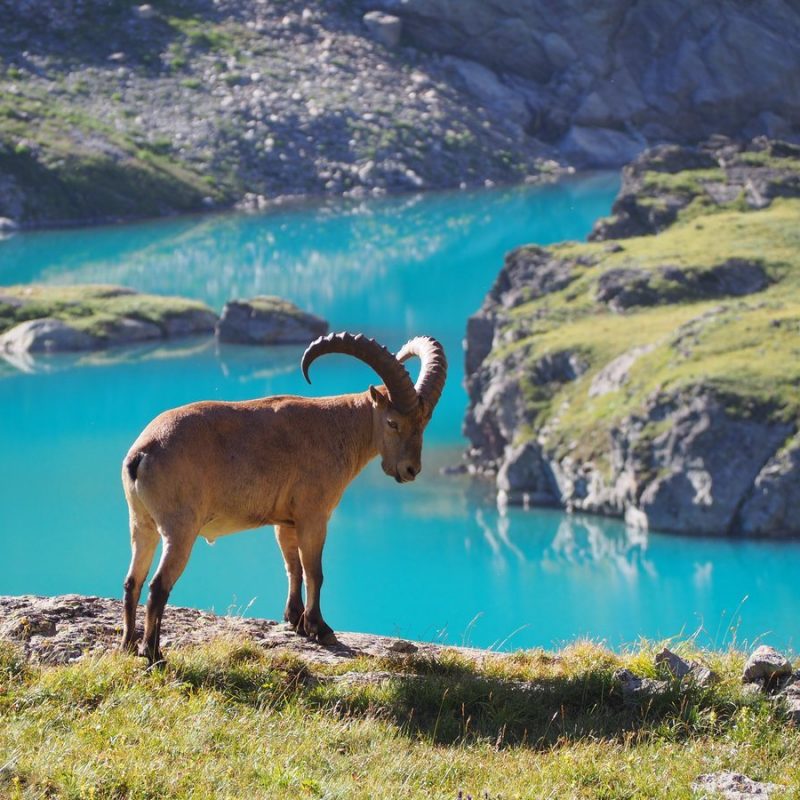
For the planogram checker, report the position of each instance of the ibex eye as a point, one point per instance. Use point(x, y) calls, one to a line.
point(392, 424)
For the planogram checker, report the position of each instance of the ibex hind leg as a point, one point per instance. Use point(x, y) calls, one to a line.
point(144, 540)
point(177, 549)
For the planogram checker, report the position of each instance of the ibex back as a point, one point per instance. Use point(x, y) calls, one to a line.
point(209, 469)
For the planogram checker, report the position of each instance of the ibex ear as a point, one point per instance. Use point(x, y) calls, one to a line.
point(378, 398)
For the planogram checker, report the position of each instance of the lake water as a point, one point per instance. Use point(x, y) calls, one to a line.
point(432, 560)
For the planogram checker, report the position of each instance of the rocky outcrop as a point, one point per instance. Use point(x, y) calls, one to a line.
point(625, 288)
point(268, 320)
point(665, 180)
point(660, 417)
point(774, 502)
point(58, 630)
point(45, 319)
point(601, 82)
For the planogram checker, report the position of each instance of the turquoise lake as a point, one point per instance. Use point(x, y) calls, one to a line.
point(433, 560)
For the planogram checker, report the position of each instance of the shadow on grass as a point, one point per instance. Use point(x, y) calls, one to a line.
point(454, 703)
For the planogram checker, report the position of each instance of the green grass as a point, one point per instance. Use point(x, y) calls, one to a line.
point(231, 720)
point(92, 308)
point(744, 349)
point(686, 182)
point(270, 303)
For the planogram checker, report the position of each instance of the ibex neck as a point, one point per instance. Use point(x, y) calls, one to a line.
point(356, 433)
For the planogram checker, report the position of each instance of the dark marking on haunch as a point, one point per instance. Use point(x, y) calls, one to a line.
point(132, 465)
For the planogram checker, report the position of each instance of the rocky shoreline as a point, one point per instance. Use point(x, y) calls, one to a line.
point(44, 320)
point(645, 375)
point(113, 111)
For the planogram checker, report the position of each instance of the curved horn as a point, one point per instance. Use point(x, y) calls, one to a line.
point(389, 369)
point(433, 372)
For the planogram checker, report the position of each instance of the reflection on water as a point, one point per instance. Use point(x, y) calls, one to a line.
point(578, 540)
point(583, 540)
point(57, 362)
point(416, 560)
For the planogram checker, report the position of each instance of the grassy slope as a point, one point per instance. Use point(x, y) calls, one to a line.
point(51, 150)
point(74, 167)
point(745, 348)
point(91, 308)
point(231, 720)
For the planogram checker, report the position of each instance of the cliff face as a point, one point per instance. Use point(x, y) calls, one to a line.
point(603, 79)
point(653, 375)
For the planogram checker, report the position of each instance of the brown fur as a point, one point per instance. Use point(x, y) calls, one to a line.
point(210, 469)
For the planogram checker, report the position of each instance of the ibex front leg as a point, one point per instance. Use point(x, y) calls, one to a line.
point(311, 540)
point(287, 540)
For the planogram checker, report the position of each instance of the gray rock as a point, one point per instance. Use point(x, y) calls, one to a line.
point(791, 700)
point(773, 506)
point(192, 322)
point(384, 28)
point(636, 690)
point(593, 147)
point(678, 666)
point(525, 477)
point(268, 320)
point(46, 336)
point(614, 375)
point(706, 462)
point(766, 664)
point(692, 672)
point(731, 786)
point(625, 287)
point(530, 272)
point(402, 646)
point(488, 89)
point(622, 73)
point(59, 630)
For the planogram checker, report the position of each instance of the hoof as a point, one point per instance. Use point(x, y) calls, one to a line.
point(127, 646)
point(318, 631)
point(153, 658)
point(328, 639)
point(294, 616)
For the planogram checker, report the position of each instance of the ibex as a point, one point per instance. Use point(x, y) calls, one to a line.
point(213, 468)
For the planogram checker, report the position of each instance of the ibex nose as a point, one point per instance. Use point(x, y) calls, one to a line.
point(412, 472)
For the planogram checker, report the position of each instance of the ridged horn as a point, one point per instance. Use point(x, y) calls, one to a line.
point(389, 369)
point(432, 372)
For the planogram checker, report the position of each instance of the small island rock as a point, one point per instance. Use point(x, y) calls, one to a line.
point(268, 320)
point(68, 319)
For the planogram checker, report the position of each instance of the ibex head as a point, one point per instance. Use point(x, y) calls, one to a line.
point(401, 409)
